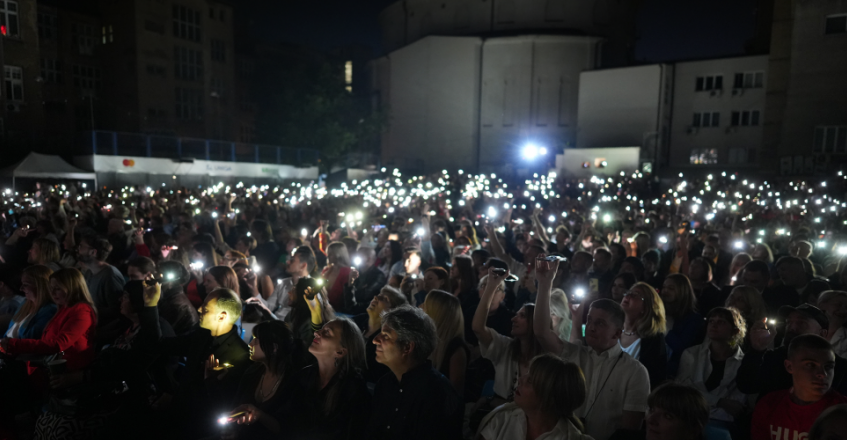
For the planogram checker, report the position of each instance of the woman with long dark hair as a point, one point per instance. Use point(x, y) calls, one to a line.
point(451, 353)
point(686, 327)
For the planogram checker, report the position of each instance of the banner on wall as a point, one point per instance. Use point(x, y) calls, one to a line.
point(150, 165)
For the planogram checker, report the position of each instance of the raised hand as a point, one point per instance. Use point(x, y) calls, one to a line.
point(545, 270)
point(152, 292)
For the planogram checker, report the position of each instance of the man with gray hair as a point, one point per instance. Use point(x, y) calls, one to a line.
point(414, 401)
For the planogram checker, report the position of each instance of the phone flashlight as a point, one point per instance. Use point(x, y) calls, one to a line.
point(579, 293)
point(257, 268)
point(197, 265)
point(357, 261)
point(170, 276)
point(223, 420)
point(304, 232)
point(663, 240)
point(739, 244)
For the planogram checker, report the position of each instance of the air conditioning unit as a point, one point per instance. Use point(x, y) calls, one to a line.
point(13, 107)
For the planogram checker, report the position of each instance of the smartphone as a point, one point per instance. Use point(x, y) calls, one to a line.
point(231, 216)
point(378, 227)
point(499, 271)
point(394, 237)
point(553, 258)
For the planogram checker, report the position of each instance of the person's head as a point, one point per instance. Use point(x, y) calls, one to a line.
point(563, 236)
point(336, 253)
point(219, 311)
point(446, 312)
point(202, 252)
point(553, 387)
point(560, 314)
point(710, 252)
point(803, 320)
point(831, 424)
point(43, 251)
point(762, 252)
point(522, 322)
point(581, 262)
point(801, 249)
point(643, 305)
point(435, 278)
point(233, 257)
point(93, 249)
point(302, 262)
point(463, 275)
point(833, 303)
point(700, 271)
point(261, 230)
point(392, 252)
point(245, 244)
point(738, 262)
point(68, 287)
point(387, 299)
point(413, 260)
point(621, 284)
point(792, 272)
point(726, 325)
point(756, 274)
point(341, 340)
point(408, 337)
point(220, 276)
point(634, 266)
point(35, 284)
point(651, 260)
point(604, 325)
point(602, 260)
point(676, 412)
point(132, 300)
point(678, 296)
point(367, 257)
point(140, 268)
point(811, 364)
point(480, 256)
point(272, 345)
point(749, 302)
point(174, 272)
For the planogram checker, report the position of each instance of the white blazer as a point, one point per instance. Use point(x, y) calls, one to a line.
point(696, 366)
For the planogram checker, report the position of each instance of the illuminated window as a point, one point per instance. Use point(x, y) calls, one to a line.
point(348, 75)
point(600, 162)
point(14, 78)
point(704, 156)
point(186, 23)
point(9, 19)
point(108, 34)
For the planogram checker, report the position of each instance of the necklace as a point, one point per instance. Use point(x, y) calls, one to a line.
point(632, 333)
point(261, 392)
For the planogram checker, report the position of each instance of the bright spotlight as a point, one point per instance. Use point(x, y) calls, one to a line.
point(532, 151)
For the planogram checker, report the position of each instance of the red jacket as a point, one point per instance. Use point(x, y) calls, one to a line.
point(71, 331)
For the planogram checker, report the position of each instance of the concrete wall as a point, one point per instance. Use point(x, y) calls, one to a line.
point(456, 102)
point(686, 101)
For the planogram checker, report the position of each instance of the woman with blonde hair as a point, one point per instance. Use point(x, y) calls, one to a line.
point(72, 328)
point(738, 262)
point(38, 309)
point(685, 326)
point(643, 335)
point(712, 366)
point(451, 354)
point(560, 314)
point(336, 273)
point(544, 405)
point(44, 252)
point(748, 301)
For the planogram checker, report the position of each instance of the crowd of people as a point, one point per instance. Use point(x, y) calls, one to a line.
point(450, 306)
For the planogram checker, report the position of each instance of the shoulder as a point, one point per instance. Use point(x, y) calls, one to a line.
point(771, 399)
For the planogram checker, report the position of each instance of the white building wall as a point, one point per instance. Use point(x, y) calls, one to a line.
point(724, 138)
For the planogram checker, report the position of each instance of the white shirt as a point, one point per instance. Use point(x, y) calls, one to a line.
point(839, 342)
point(506, 369)
point(278, 302)
point(508, 422)
point(634, 349)
point(626, 388)
point(695, 366)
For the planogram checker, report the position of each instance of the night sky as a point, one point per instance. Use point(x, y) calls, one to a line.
point(669, 29)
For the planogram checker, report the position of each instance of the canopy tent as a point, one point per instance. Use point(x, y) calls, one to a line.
point(46, 167)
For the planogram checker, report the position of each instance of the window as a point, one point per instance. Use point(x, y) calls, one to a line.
point(706, 83)
point(188, 64)
point(14, 77)
point(51, 70)
point(9, 19)
point(83, 35)
point(186, 23)
point(831, 139)
point(746, 118)
point(86, 79)
point(348, 75)
point(155, 70)
point(836, 24)
point(738, 156)
point(108, 34)
point(704, 156)
point(749, 80)
point(153, 26)
point(47, 26)
point(218, 51)
point(707, 119)
point(189, 104)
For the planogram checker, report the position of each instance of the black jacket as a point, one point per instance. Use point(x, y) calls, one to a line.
point(764, 372)
point(654, 357)
point(309, 420)
point(359, 295)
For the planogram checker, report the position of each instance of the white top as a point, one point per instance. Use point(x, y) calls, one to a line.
point(506, 369)
point(839, 342)
point(634, 349)
point(508, 422)
point(626, 389)
point(695, 367)
point(278, 302)
point(14, 331)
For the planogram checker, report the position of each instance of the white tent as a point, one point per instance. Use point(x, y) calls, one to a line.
point(46, 167)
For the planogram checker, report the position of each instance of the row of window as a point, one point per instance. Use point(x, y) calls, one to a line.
point(742, 80)
point(709, 156)
point(86, 78)
point(745, 118)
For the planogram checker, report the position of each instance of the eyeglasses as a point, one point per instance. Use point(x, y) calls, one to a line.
point(633, 294)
